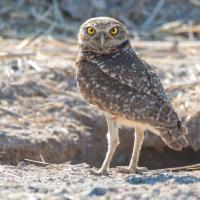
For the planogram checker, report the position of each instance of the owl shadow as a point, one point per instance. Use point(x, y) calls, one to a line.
point(161, 178)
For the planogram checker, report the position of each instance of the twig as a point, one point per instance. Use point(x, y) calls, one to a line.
point(57, 13)
point(48, 21)
point(184, 29)
point(182, 85)
point(152, 17)
point(11, 54)
point(190, 32)
point(10, 112)
point(43, 16)
point(173, 169)
point(39, 33)
point(37, 162)
point(42, 158)
point(34, 65)
point(169, 26)
point(6, 125)
point(9, 174)
point(46, 32)
point(165, 44)
point(43, 163)
point(28, 40)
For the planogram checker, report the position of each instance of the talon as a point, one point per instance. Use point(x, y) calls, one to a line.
point(141, 170)
point(125, 170)
point(99, 172)
point(128, 170)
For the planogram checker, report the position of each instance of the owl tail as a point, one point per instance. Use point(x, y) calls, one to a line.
point(175, 137)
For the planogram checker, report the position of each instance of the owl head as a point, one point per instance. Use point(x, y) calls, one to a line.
point(101, 34)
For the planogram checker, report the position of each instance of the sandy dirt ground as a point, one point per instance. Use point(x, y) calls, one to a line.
point(66, 181)
point(43, 116)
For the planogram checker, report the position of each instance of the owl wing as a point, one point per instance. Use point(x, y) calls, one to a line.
point(128, 69)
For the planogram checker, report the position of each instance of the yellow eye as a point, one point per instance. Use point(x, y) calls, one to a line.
point(90, 30)
point(114, 31)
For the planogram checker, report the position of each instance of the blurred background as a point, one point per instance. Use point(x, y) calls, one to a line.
point(145, 19)
point(41, 110)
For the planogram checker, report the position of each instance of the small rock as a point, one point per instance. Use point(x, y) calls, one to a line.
point(97, 191)
point(3, 133)
point(150, 180)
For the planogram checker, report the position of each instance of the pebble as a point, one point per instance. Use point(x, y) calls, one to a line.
point(97, 191)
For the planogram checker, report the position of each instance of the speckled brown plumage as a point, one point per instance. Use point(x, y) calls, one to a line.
point(126, 88)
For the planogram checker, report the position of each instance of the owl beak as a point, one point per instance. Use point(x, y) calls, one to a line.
point(102, 39)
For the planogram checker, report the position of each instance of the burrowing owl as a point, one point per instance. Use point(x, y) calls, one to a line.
point(111, 76)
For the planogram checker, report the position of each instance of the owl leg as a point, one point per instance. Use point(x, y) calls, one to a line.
point(113, 141)
point(133, 166)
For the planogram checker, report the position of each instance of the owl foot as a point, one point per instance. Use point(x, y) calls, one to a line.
point(99, 172)
point(128, 170)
